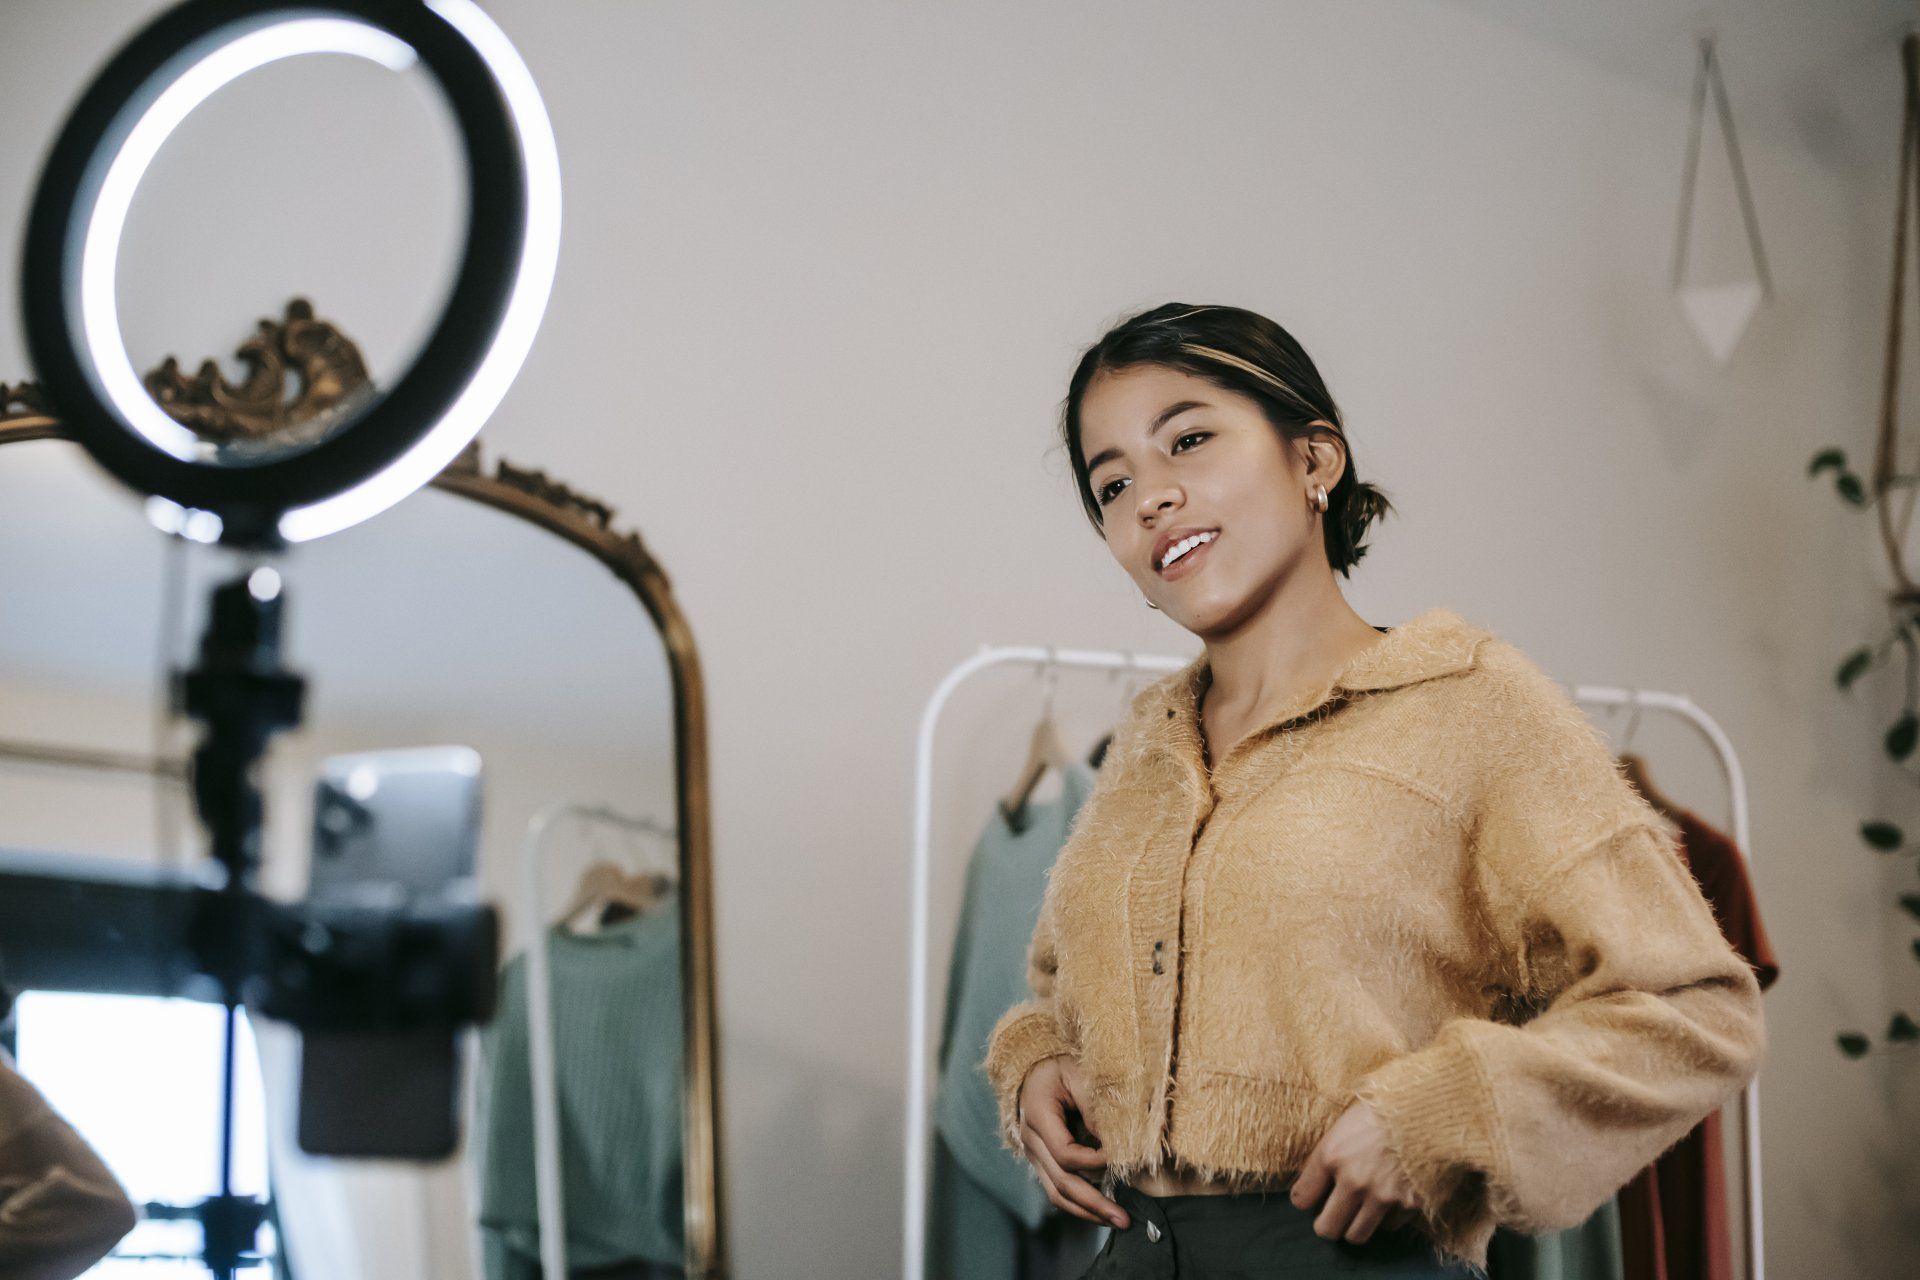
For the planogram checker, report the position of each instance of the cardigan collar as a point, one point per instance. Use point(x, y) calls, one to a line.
point(1434, 643)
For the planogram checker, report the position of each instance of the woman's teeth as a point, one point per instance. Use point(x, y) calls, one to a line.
point(1181, 548)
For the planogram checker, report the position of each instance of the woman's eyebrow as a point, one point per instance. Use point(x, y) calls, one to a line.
point(1166, 415)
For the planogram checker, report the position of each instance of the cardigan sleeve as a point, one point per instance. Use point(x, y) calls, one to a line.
point(1645, 1019)
point(1029, 1032)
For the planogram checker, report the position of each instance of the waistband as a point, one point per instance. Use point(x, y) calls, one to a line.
point(1221, 1227)
point(1198, 1207)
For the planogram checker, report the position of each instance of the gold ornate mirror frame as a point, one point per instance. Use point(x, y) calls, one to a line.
point(329, 372)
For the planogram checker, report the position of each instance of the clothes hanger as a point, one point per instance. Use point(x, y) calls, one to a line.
point(1635, 768)
point(667, 838)
point(608, 893)
point(1045, 750)
point(1130, 689)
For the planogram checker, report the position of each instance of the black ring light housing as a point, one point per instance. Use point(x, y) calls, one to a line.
point(250, 498)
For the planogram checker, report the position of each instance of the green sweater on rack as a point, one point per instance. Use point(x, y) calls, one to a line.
point(1425, 883)
point(1006, 879)
point(617, 1065)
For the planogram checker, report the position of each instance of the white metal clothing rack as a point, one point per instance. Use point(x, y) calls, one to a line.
point(58, 756)
point(548, 1188)
point(919, 1087)
point(919, 1102)
point(1684, 707)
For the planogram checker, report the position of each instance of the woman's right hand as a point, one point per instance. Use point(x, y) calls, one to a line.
point(1052, 1088)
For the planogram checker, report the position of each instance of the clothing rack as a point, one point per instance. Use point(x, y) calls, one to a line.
point(919, 1101)
point(36, 753)
point(550, 1202)
point(171, 773)
point(919, 1087)
point(1709, 728)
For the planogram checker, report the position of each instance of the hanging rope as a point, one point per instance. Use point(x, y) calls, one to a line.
point(1709, 77)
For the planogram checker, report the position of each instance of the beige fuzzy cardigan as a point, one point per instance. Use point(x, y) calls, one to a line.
point(1426, 884)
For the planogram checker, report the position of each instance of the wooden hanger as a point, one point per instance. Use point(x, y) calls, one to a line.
point(1045, 749)
point(606, 888)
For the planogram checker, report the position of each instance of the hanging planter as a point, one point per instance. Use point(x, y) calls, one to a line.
point(1719, 311)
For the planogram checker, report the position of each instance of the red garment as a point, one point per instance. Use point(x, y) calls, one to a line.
point(1674, 1214)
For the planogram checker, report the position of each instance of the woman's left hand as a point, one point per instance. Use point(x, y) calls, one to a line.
point(1369, 1185)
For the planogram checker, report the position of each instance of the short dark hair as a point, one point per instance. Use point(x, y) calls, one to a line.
point(1244, 352)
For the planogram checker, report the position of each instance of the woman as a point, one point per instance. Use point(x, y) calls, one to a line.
point(1362, 944)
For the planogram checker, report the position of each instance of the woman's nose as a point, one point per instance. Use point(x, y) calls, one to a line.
point(1153, 504)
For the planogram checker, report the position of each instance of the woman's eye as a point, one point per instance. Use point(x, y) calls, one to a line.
point(1109, 491)
point(1191, 435)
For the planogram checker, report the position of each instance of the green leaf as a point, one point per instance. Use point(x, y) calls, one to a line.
point(1850, 488)
point(1824, 459)
point(1854, 667)
point(1901, 737)
point(1852, 1043)
point(1902, 1028)
point(1911, 901)
point(1881, 835)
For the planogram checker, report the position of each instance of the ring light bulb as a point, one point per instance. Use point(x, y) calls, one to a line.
point(100, 254)
point(540, 253)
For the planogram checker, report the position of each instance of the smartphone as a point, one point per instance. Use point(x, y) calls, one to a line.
point(391, 830)
point(391, 826)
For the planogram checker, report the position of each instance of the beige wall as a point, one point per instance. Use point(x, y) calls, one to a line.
point(826, 271)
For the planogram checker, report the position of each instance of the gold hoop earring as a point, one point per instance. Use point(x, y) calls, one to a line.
point(1318, 500)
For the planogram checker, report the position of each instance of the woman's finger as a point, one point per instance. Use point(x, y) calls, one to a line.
point(1071, 1185)
point(1054, 1197)
point(1050, 1122)
point(1311, 1184)
point(1366, 1220)
point(1052, 1180)
point(1337, 1212)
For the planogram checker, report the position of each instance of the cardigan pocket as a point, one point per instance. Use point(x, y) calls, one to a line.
point(1336, 871)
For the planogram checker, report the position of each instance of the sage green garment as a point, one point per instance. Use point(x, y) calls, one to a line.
point(617, 1039)
point(1590, 1251)
point(971, 1236)
point(987, 1210)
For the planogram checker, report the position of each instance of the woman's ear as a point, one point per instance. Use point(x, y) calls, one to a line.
point(1326, 457)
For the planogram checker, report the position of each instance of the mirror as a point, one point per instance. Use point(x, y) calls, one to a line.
point(466, 615)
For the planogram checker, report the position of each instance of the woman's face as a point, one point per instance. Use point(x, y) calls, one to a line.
point(1173, 458)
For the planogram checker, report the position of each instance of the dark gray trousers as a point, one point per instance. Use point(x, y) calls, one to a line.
point(1251, 1236)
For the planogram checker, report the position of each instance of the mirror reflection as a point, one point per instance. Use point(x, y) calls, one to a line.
point(443, 622)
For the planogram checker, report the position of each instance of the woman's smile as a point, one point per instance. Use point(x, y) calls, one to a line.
point(1185, 557)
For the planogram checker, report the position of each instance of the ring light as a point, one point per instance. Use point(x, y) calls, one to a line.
point(409, 433)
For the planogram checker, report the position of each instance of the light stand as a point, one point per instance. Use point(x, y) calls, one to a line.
point(244, 696)
point(368, 977)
